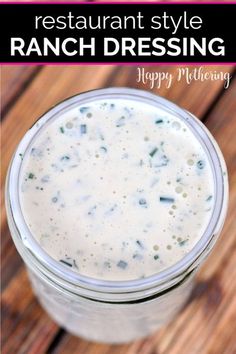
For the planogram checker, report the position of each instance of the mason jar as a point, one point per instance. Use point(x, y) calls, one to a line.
point(104, 310)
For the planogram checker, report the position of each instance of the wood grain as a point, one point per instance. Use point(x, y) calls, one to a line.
point(14, 81)
point(207, 324)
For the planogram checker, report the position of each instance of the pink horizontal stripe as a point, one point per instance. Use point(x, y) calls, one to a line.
point(117, 63)
point(120, 2)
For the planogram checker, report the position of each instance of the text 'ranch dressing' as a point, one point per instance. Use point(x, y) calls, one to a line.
point(116, 189)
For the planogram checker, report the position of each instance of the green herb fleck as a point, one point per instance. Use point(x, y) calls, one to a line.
point(143, 202)
point(21, 156)
point(83, 128)
point(153, 152)
point(75, 264)
point(167, 200)
point(139, 243)
point(122, 264)
point(137, 256)
point(163, 161)
point(92, 210)
point(66, 263)
point(182, 243)
point(30, 175)
point(159, 121)
point(200, 164)
point(65, 158)
point(83, 109)
point(62, 130)
point(107, 264)
point(156, 257)
point(120, 122)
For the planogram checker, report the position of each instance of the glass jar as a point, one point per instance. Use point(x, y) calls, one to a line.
point(113, 311)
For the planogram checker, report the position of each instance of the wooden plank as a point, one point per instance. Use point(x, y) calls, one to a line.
point(62, 82)
point(11, 261)
point(13, 82)
point(19, 334)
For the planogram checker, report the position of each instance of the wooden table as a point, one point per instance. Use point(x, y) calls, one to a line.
point(208, 322)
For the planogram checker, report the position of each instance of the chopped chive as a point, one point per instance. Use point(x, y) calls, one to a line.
point(62, 130)
point(137, 256)
point(113, 207)
point(163, 161)
point(107, 265)
point(112, 105)
point(92, 210)
point(142, 202)
point(139, 243)
point(110, 211)
point(30, 175)
point(153, 152)
point(103, 148)
point(36, 152)
point(167, 200)
point(83, 109)
point(127, 110)
point(83, 128)
point(64, 158)
point(209, 198)
point(122, 264)
point(21, 156)
point(120, 122)
point(156, 257)
point(182, 243)
point(64, 262)
point(75, 264)
point(159, 121)
point(200, 164)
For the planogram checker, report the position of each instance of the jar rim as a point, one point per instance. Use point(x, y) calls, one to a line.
point(192, 257)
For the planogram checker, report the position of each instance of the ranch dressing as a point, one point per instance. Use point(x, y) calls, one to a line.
point(116, 189)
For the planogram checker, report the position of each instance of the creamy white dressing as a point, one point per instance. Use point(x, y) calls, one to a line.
point(116, 189)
